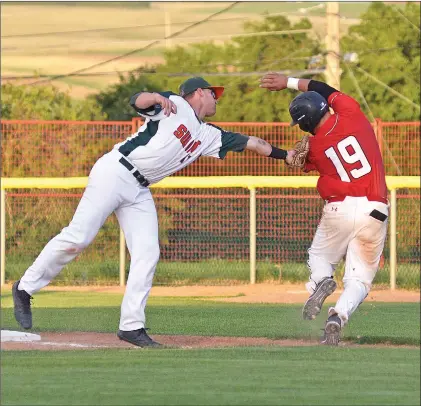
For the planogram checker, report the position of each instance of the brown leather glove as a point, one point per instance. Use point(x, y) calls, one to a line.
point(301, 148)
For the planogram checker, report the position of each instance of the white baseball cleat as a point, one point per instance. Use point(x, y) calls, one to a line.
point(314, 303)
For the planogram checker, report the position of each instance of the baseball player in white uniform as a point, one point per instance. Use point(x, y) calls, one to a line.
point(172, 137)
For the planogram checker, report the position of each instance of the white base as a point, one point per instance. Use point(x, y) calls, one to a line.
point(7, 335)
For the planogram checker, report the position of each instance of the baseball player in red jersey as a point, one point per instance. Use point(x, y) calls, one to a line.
point(345, 152)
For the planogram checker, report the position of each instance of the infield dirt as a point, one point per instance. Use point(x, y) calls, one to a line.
point(259, 293)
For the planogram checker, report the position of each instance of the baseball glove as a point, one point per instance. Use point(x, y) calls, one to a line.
point(301, 150)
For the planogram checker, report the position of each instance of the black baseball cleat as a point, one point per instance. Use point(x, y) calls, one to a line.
point(314, 303)
point(22, 305)
point(332, 330)
point(138, 337)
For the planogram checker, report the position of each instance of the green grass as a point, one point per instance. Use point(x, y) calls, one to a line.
point(396, 323)
point(267, 375)
point(252, 376)
point(87, 271)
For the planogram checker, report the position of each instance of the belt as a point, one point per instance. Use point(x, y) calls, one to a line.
point(371, 199)
point(139, 177)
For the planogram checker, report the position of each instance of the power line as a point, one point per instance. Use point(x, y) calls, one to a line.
point(153, 71)
point(245, 63)
point(406, 18)
point(359, 90)
point(138, 50)
point(55, 33)
point(251, 34)
point(368, 51)
point(388, 87)
point(301, 72)
point(354, 79)
point(146, 26)
point(373, 50)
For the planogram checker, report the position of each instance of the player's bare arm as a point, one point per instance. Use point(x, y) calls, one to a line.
point(277, 81)
point(146, 99)
point(263, 148)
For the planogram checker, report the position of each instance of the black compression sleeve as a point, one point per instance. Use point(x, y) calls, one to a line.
point(321, 88)
point(278, 153)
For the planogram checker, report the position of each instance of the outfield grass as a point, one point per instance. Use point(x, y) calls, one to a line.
point(211, 272)
point(396, 323)
point(242, 376)
point(268, 375)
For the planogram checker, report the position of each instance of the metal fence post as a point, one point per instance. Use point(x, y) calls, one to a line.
point(393, 250)
point(252, 235)
point(122, 261)
point(3, 237)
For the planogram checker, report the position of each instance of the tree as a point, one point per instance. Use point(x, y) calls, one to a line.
point(114, 101)
point(243, 100)
point(391, 55)
point(45, 103)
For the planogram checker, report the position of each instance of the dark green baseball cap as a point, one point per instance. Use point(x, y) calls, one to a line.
point(192, 84)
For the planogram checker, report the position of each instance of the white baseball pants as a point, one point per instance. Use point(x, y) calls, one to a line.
point(111, 188)
point(347, 229)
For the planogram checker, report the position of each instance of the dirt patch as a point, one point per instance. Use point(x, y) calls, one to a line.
point(89, 341)
point(259, 293)
point(80, 340)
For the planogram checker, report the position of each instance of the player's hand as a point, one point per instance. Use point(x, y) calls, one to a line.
point(290, 156)
point(167, 105)
point(274, 81)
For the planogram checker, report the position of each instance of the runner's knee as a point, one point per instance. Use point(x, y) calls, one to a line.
point(357, 284)
point(319, 267)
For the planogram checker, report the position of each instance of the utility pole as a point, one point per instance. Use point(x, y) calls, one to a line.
point(332, 71)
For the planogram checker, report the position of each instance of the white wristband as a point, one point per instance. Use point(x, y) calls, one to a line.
point(292, 83)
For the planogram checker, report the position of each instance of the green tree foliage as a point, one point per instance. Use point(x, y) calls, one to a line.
point(243, 100)
point(387, 42)
point(114, 101)
point(382, 27)
point(45, 103)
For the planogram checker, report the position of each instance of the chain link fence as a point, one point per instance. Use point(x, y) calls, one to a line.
point(204, 233)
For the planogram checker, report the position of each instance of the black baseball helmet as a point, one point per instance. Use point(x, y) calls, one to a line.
point(307, 109)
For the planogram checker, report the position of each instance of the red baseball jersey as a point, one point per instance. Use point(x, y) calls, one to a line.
point(345, 152)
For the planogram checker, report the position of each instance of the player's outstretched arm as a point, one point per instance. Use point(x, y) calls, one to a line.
point(277, 81)
point(263, 148)
point(144, 100)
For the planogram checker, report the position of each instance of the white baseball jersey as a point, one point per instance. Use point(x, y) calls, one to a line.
point(164, 145)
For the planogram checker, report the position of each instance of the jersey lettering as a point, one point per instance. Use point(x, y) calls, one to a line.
point(189, 145)
point(351, 152)
point(181, 131)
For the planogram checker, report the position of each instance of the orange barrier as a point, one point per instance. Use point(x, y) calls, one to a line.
point(195, 225)
point(70, 148)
